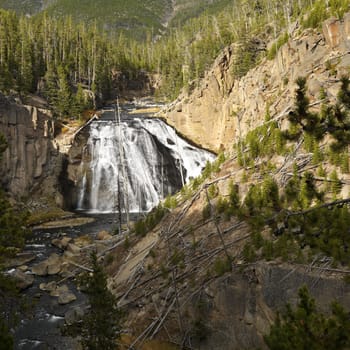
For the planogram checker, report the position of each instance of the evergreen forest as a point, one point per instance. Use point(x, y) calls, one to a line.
point(58, 57)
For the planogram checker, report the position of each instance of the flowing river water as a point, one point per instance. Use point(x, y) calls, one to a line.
point(138, 155)
point(41, 329)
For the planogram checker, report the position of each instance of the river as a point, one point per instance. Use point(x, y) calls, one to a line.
point(41, 329)
point(141, 157)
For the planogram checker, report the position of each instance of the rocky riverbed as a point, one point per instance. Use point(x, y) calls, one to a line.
point(46, 271)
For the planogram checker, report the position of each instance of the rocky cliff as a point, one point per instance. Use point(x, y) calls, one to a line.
point(175, 284)
point(222, 108)
point(31, 156)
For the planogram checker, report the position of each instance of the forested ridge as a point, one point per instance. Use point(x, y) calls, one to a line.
point(131, 17)
point(58, 57)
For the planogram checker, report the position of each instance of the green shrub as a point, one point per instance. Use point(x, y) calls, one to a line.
point(164, 271)
point(248, 253)
point(222, 266)
point(127, 242)
point(316, 15)
point(344, 162)
point(258, 240)
point(207, 170)
point(170, 202)
point(282, 39)
point(336, 184)
point(221, 205)
point(206, 212)
point(177, 257)
point(268, 251)
point(140, 227)
point(213, 191)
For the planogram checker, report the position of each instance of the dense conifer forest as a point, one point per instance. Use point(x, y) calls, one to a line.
point(57, 57)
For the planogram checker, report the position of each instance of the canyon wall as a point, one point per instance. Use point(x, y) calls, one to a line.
point(31, 155)
point(222, 108)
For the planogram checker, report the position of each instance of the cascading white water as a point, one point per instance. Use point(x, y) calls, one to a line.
point(154, 158)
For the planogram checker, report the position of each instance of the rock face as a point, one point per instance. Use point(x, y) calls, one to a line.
point(337, 33)
point(31, 154)
point(241, 306)
point(222, 108)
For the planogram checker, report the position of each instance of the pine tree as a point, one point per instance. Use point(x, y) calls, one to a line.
point(80, 102)
point(100, 325)
point(63, 104)
point(305, 328)
point(301, 117)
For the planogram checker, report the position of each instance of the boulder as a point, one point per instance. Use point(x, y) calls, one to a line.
point(53, 269)
point(66, 269)
point(20, 259)
point(56, 242)
point(48, 287)
point(83, 241)
point(73, 315)
point(66, 298)
point(40, 269)
point(23, 280)
point(103, 236)
point(23, 268)
point(73, 248)
point(50, 266)
point(65, 241)
point(53, 264)
point(61, 243)
point(59, 290)
point(100, 247)
point(68, 255)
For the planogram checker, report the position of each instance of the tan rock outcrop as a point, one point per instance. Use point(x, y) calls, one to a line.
point(222, 109)
point(331, 31)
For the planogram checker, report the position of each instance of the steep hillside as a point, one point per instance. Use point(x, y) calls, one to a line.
point(223, 108)
point(29, 7)
point(268, 217)
point(132, 17)
point(185, 9)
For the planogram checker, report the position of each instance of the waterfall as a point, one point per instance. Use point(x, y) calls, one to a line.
point(155, 158)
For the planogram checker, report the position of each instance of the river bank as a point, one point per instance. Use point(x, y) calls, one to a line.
point(50, 261)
